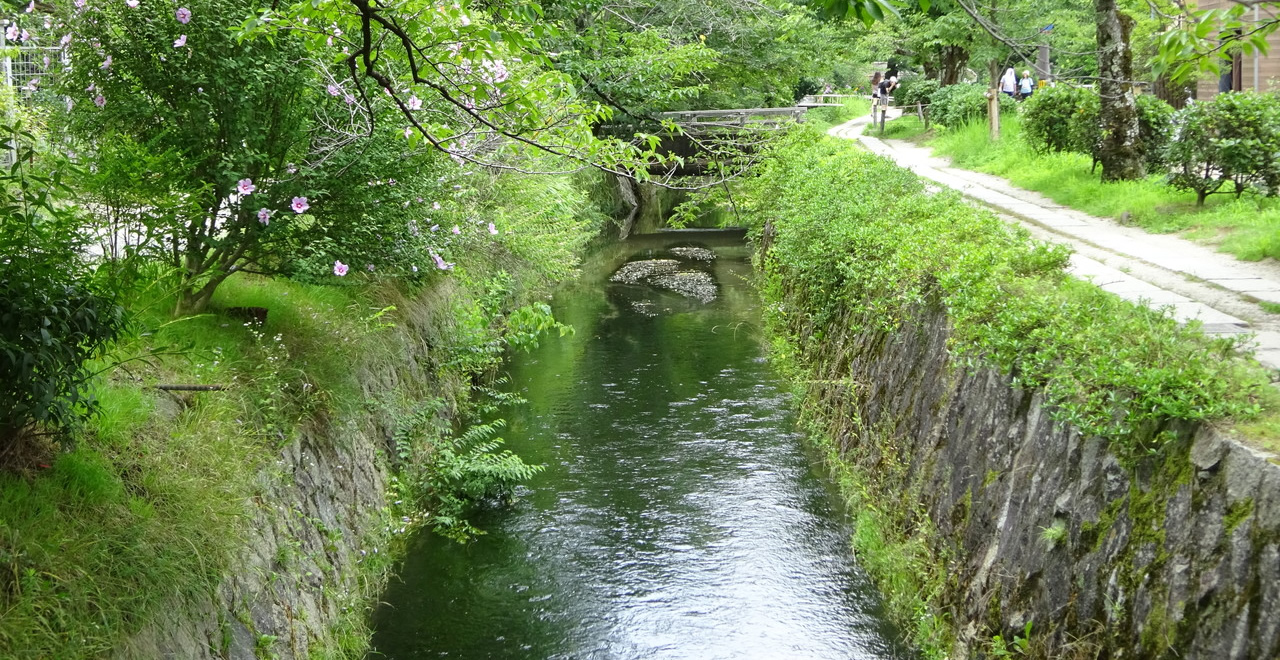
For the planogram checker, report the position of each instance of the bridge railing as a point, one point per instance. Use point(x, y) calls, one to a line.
point(740, 118)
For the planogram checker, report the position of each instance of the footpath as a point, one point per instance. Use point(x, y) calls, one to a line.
point(1192, 281)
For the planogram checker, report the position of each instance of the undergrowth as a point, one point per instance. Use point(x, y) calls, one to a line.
point(148, 511)
point(851, 244)
point(853, 235)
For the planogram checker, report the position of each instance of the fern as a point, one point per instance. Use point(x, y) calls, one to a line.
point(461, 472)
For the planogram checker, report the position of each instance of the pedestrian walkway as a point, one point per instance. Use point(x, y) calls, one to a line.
point(1194, 281)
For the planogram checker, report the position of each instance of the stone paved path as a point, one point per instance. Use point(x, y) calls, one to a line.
point(1152, 269)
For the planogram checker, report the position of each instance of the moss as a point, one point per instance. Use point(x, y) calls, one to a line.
point(892, 537)
point(1237, 512)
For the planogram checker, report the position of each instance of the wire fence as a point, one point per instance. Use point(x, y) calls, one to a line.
point(27, 72)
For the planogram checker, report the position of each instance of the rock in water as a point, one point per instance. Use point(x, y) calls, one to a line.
point(695, 253)
point(689, 283)
point(633, 272)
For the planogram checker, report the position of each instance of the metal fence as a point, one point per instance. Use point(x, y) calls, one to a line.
point(25, 71)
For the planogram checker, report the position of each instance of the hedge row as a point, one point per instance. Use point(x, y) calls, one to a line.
point(1229, 139)
point(854, 236)
point(951, 106)
point(1064, 118)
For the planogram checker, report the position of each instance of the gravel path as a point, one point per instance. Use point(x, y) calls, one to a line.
point(1159, 270)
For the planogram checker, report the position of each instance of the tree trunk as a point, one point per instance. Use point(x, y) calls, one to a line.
point(1121, 151)
point(953, 60)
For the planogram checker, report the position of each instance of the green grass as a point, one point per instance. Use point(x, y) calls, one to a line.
point(824, 118)
point(856, 253)
point(148, 509)
point(906, 127)
point(1248, 228)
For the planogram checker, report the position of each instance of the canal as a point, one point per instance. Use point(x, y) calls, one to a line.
point(680, 515)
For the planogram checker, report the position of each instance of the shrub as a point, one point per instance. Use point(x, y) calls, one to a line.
point(1065, 118)
point(1084, 131)
point(852, 253)
point(916, 90)
point(1231, 138)
point(53, 315)
point(1155, 127)
point(1048, 115)
point(953, 105)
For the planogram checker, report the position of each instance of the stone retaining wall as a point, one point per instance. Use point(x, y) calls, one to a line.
point(1172, 554)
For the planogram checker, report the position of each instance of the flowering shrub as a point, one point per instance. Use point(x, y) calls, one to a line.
point(223, 154)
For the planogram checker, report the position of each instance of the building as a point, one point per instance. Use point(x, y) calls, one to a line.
point(1245, 72)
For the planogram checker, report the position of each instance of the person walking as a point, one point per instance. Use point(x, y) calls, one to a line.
point(1009, 82)
point(1026, 86)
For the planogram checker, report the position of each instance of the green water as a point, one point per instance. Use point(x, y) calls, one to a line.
point(679, 516)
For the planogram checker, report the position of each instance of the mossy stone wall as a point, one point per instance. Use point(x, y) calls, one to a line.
point(1168, 554)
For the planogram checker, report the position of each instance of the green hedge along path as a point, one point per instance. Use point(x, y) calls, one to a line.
point(1155, 269)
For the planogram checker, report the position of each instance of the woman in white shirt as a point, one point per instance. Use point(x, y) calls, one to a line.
point(1009, 82)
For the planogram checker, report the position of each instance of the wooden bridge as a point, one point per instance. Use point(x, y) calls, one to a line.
point(826, 100)
point(706, 135)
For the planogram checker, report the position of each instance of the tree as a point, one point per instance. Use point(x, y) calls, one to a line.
point(1119, 150)
point(217, 155)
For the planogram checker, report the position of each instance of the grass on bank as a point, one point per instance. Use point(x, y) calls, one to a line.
point(857, 251)
point(1248, 228)
point(148, 509)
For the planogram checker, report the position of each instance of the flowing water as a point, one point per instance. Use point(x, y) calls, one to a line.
point(679, 515)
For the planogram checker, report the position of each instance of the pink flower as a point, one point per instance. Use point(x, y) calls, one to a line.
point(408, 133)
point(11, 33)
point(414, 103)
point(31, 7)
point(299, 205)
point(440, 263)
point(132, 4)
point(79, 4)
point(106, 64)
point(435, 205)
point(333, 90)
point(66, 39)
point(180, 41)
point(100, 101)
point(264, 216)
point(493, 230)
point(339, 268)
point(456, 230)
point(349, 99)
point(465, 20)
point(245, 186)
point(370, 267)
point(183, 15)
